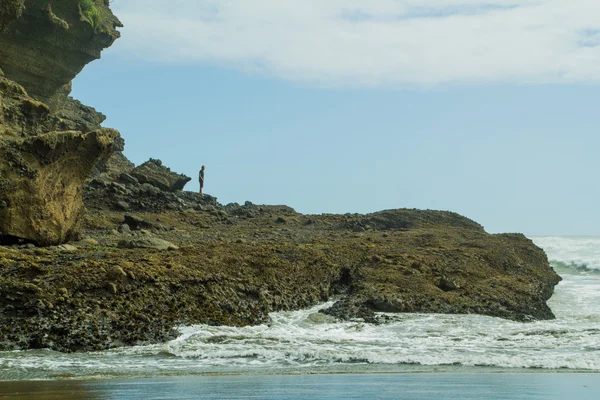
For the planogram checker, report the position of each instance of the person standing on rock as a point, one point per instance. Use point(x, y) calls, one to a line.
point(201, 178)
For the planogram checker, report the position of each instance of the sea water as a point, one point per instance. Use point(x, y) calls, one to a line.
point(308, 342)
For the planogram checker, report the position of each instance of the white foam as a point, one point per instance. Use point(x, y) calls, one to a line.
point(578, 251)
point(415, 338)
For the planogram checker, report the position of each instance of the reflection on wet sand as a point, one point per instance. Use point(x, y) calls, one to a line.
point(412, 386)
point(49, 390)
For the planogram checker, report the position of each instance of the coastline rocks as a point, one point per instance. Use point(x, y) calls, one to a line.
point(405, 219)
point(235, 264)
point(21, 115)
point(409, 219)
point(116, 167)
point(503, 275)
point(126, 178)
point(154, 173)
point(235, 270)
point(149, 187)
point(66, 247)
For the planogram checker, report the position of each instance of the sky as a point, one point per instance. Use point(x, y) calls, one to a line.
point(485, 108)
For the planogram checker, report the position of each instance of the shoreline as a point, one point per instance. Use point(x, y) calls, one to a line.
point(343, 370)
point(331, 386)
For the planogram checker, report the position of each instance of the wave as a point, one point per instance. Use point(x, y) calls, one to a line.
point(294, 344)
point(294, 341)
point(578, 254)
point(582, 268)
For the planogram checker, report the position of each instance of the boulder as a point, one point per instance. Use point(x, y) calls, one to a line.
point(155, 174)
point(42, 179)
point(68, 248)
point(135, 223)
point(124, 228)
point(126, 178)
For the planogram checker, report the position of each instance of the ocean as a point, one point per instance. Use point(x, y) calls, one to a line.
point(297, 351)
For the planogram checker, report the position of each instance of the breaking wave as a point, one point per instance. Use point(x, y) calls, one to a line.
point(577, 253)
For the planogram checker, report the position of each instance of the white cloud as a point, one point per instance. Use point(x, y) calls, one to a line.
point(373, 42)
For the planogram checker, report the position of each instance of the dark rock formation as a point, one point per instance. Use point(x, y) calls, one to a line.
point(116, 165)
point(42, 180)
point(126, 193)
point(236, 263)
point(10, 10)
point(455, 271)
point(156, 174)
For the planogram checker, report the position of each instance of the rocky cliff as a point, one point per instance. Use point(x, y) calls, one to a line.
point(49, 142)
point(45, 44)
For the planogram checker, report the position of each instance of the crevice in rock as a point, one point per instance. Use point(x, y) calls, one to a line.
point(344, 283)
point(8, 240)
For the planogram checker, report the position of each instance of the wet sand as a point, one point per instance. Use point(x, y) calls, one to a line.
point(492, 386)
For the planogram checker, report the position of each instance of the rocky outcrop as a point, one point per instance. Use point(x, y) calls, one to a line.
point(42, 170)
point(45, 44)
point(156, 174)
point(126, 193)
point(49, 142)
point(185, 259)
point(453, 272)
point(116, 165)
point(42, 182)
point(235, 264)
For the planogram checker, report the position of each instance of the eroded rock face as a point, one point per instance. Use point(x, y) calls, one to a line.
point(9, 11)
point(42, 170)
point(116, 165)
point(456, 270)
point(49, 142)
point(42, 181)
point(45, 44)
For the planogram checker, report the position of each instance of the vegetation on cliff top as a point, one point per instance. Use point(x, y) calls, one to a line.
point(90, 11)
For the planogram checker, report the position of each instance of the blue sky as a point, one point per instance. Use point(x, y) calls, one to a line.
point(475, 114)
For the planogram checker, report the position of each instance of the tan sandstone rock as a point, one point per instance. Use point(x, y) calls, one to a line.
point(41, 180)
